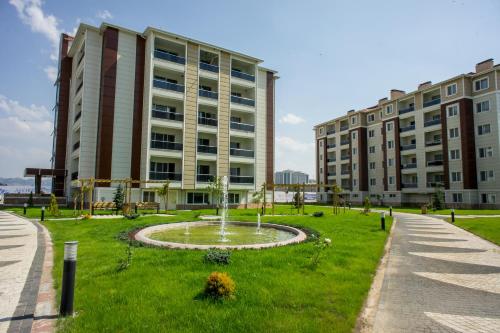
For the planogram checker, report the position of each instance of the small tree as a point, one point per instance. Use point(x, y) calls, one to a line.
point(367, 205)
point(118, 198)
point(258, 198)
point(163, 193)
point(215, 189)
point(75, 195)
point(30, 200)
point(336, 198)
point(438, 199)
point(53, 207)
point(298, 200)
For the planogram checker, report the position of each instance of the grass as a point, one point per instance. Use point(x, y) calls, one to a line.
point(485, 227)
point(35, 212)
point(276, 290)
point(443, 211)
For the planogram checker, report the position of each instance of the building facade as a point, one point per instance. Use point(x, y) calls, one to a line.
point(441, 136)
point(290, 177)
point(155, 106)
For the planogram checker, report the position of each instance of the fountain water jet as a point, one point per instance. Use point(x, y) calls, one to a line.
point(258, 232)
point(224, 212)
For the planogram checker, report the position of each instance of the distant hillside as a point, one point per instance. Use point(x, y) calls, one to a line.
point(29, 181)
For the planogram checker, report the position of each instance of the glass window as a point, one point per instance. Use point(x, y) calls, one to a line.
point(481, 84)
point(451, 89)
point(483, 106)
point(197, 198)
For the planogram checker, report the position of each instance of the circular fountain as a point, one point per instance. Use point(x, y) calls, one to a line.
point(224, 234)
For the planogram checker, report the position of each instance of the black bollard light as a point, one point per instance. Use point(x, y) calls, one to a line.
point(43, 214)
point(349, 205)
point(68, 278)
point(135, 208)
point(24, 208)
point(452, 215)
point(382, 220)
point(390, 211)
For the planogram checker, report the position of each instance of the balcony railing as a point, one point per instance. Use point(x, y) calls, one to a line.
point(169, 57)
point(344, 128)
point(434, 163)
point(242, 126)
point(204, 178)
point(166, 145)
point(346, 187)
point(345, 157)
point(78, 116)
point(409, 185)
point(242, 100)
point(432, 122)
point(406, 110)
point(331, 160)
point(331, 174)
point(408, 147)
point(207, 149)
point(434, 184)
point(207, 121)
point(433, 143)
point(332, 131)
point(156, 175)
point(432, 102)
point(241, 179)
point(209, 67)
point(74, 175)
point(76, 145)
point(330, 145)
point(409, 166)
point(208, 94)
point(241, 152)
point(344, 172)
point(344, 142)
point(162, 84)
point(81, 59)
point(79, 87)
point(167, 115)
point(407, 128)
point(244, 76)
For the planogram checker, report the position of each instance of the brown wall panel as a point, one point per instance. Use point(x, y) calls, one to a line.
point(363, 158)
point(384, 154)
point(140, 54)
point(444, 142)
point(397, 150)
point(468, 144)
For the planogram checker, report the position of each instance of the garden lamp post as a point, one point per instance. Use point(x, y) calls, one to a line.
point(68, 278)
point(24, 208)
point(452, 215)
point(43, 214)
point(382, 220)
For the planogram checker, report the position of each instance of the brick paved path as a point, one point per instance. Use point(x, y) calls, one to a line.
point(21, 256)
point(439, 278)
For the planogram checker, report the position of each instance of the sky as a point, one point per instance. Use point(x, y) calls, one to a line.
point(332, 56)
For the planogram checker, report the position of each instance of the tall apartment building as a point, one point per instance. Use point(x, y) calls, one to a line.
point(400, 150)
point(291, 177)
point(159, 106)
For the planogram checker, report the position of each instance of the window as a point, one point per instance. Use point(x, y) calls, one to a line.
point(203, 169)
point(456, 176)
point(197, 198)
point(148, 196)
point(488, 198)
point(451, 89)
point(457, 197)
point(391, 180)
point(371, 149)
point(392, 195)
point(483, 106)
point(372, 165)
point(203, 142)
point(354, 166)
point(483, 129)
point(354, 151)
point(481, 84)
point(233, 198)
point(388, 109)
point(371, 133)
point(373, 181)
point(485, 152)
point(390, 144)
point(321, 144)
point(321, 131)
point(455, 154)
point(354, 135)
point(452, 110)
point(453, 133)
point(354, 120)
point(390, 162)
point(371, 117)
point(320, 170)
point(354, 182)
point(485, 176)
point(389, 126)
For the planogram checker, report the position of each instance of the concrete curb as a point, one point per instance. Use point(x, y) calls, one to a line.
point(365, 321)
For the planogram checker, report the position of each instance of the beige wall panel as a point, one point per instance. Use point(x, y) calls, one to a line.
point(224, 114)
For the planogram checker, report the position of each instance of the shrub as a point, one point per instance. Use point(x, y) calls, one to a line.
point(53, 207)
point(86, 217)
point(220, 285)
point(132, 216)
point(318, 214)
point(215, 256)
point(319, 246)
point(367, 204)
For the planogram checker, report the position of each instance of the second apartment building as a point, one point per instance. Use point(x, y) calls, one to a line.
point(400, 150)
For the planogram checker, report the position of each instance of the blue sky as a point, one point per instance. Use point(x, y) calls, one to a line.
point(332, 56)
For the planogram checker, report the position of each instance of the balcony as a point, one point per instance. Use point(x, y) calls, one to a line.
point(78, 116)
point(169, 57)
point(332, 131)
point(204, 178)
point(434, 163)
point(242, 127)
point(344, 128)
point(168, 115)
point(81, 59)
point(241, 179)
point(409, 185)
point(408, 147)
point(432, 122)
point(74, 175)
point(208, 94)
point(409, 166)
point(207, 149)
point(209, 67)
point(434, 184)
point(207, 121)
point(157, 83)
point(156, 175)
point(79, 88)
point(433, 143)
point(344, 142)
point(407, 110)
point(241, 152)
point(242, 100)
point(331, 174)
point(345, 157)
point(330, 145)
point(76, 145)
point(432, 102)
point(242, 75)
point(166, 145)
point(331, 160)
point(344, 172)
point(407, 128)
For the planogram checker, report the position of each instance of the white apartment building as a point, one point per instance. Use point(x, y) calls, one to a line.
point(154, 105)
point(291, 177)
point(400, 150)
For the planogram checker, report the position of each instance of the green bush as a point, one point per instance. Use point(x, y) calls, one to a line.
point(220, 257)
point(318, 214)
point(220, 285)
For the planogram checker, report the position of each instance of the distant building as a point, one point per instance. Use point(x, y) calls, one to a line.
point(290, 177)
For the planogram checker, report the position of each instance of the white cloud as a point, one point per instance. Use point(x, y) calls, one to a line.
point(286, 143)
point(294, 154)
point(31, 13)
point(292, 119)
point(104, 14)
point(51, 72)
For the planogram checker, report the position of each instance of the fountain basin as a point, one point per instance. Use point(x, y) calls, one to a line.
point(206, 235)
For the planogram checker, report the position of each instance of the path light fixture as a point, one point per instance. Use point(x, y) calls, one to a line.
point(68, 278)
point(24, 208)
point(382, 220)
point(390, 211)
point(452, 215)
point(43, 214)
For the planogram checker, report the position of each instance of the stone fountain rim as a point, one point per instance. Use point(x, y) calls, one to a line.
point(142, 236)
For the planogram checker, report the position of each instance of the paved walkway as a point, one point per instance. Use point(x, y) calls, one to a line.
point(439, 278)
point(21, 257)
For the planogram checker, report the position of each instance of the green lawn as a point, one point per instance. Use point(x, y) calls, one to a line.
point(35, 212)
point(444, 211)
point(485, 227)
point(276, 289)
